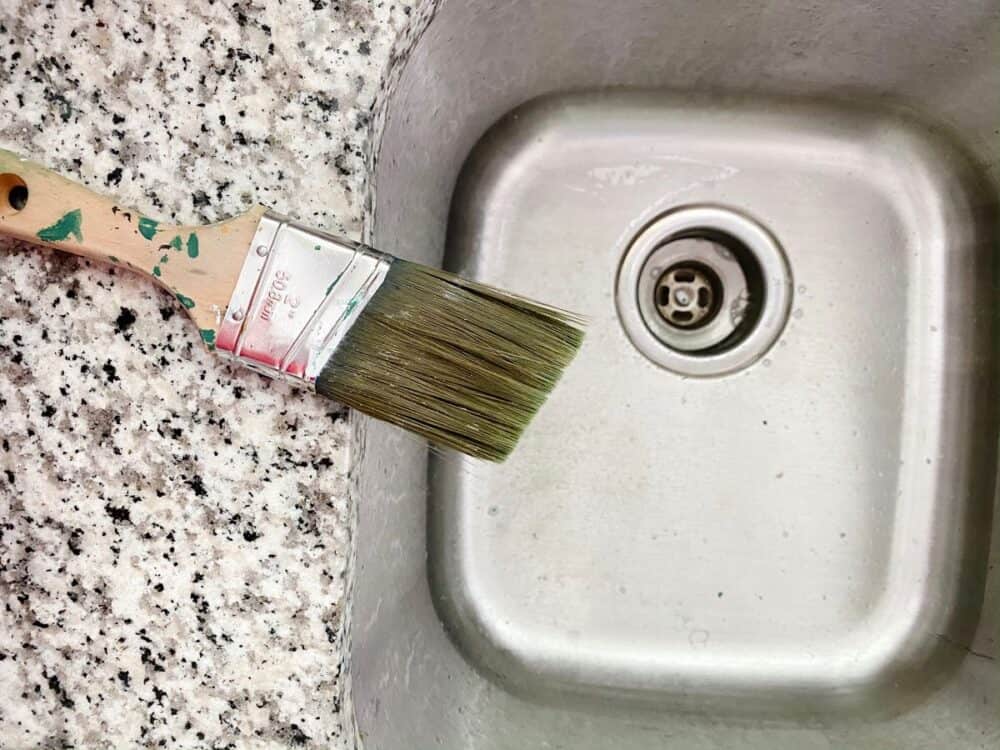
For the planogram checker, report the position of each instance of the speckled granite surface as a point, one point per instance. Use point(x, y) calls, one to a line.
point(173, 532)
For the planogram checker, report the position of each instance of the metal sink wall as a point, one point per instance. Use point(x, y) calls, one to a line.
point(798, 554)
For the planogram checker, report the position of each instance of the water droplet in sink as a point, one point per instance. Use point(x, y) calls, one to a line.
point(797, 314)
point(802, 289)
point(493, 510)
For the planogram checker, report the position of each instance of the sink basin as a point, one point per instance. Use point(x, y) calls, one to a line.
point(779, 536)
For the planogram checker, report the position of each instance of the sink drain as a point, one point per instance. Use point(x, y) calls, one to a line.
point(686, 295)
point(690, 291)
point(703, 291)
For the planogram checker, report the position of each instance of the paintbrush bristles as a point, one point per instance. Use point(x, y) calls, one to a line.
point(463, 364)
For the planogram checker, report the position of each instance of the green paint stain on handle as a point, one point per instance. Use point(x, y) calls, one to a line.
point(333, 283)
point(175, 243)
point(186, 301)
point(164, 258)
point(208, 336)
point(192, 246)
point(156, 271)
point(147, 227)
point(69, 224)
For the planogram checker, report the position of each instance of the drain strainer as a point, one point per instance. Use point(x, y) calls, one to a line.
point(703, 291)
point(687, 295)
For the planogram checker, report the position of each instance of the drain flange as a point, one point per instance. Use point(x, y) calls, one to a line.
point(703, 290)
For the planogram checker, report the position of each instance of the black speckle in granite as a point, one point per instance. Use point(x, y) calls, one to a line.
point(118, 515)
point(340, 162)
point(56, 687)
point(114, 177)
point(250, 534)
point(199, 199)
point(110, 372)
point(197, 486)
point(325, 102)
point(75, 537)
point(298, 737)
point(125, 320)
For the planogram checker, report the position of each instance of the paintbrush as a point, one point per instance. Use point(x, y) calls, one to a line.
point(460, 363)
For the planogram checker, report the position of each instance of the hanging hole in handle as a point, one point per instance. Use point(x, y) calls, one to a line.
point(13, 194)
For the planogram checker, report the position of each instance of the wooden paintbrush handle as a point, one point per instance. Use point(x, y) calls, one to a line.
point(199, 264)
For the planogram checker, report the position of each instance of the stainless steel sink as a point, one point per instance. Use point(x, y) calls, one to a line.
point(758, 510)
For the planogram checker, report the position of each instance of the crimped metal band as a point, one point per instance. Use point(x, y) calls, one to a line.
point(298, 293)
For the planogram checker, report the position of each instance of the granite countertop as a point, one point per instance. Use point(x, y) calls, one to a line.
point(173, 531)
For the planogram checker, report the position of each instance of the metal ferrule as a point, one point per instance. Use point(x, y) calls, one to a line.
point(298, 293)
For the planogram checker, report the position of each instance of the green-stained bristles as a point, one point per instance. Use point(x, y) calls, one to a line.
point(463, 364)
